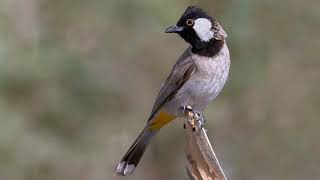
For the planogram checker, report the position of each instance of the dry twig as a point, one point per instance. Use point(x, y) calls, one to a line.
point(202, 163)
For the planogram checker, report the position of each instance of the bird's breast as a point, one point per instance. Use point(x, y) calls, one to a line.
point(204, 84)
point(208, 79)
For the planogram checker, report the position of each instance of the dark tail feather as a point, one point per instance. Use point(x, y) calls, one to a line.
point(131, 159)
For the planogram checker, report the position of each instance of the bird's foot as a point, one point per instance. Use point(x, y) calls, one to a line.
point(196, 120)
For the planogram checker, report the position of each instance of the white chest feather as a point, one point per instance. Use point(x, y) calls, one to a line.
point(212, 74)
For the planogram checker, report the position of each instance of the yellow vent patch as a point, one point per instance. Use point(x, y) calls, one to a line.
point(162, 119)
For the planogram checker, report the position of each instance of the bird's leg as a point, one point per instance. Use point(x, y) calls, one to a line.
point(187, 110)
point(196, 120)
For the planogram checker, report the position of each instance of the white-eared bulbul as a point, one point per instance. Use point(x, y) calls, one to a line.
point(196, 79)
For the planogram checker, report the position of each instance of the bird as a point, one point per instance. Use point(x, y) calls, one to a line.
point(196, 79)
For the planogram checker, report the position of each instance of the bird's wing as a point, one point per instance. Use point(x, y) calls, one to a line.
point(180, 73)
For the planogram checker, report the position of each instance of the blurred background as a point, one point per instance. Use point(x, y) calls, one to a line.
point(78, 80)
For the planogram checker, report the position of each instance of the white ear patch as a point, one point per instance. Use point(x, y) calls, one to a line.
point(203, 26)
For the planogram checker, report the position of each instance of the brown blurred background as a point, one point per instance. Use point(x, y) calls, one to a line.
point(78, 79)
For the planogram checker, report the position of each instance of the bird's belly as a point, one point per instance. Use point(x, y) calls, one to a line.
point(202, 91)
point(197, 92)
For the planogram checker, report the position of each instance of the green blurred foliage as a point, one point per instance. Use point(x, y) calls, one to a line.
point(78, 79)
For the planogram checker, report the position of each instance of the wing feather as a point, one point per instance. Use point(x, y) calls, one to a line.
point(180, 73)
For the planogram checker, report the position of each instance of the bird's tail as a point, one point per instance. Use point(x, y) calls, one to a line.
point(131, 159)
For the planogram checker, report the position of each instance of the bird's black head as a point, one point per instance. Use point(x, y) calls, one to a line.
point(203, 32)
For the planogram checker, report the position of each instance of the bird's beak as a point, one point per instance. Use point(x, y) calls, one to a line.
point(174, 29)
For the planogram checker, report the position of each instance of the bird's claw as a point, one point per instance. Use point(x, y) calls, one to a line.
point(200, 120)
point(197, 119)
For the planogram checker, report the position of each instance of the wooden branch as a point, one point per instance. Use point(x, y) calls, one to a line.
point(202, 163)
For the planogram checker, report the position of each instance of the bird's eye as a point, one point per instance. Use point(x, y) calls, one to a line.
point(189, 22)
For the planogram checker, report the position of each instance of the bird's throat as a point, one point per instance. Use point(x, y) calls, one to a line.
point(208, 49)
